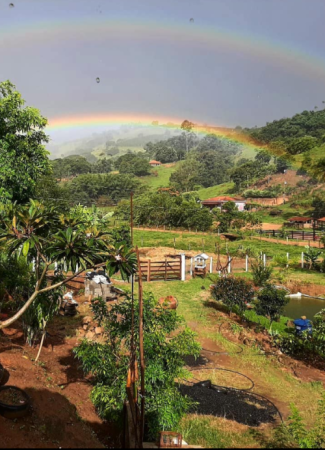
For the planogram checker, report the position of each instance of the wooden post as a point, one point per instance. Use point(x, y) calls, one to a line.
point(246, 263)
point(288, 259)
point(191, 269)
point(264, 260)
point(211, 265)
point(131, 207)
point(149, 269)
point(165, 269)
point(141, 348)
point(302, 260)
point(229, 264)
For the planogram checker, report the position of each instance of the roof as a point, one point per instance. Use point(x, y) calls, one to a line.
point(321, 220)
point(154, 162)
point(202, 255)
point(300, 219)
point(222, 199)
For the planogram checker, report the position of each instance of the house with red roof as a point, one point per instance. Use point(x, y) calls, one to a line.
point(218, 202)
point(154, 163)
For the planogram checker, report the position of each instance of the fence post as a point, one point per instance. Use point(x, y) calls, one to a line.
point(303, 235)
point(314, 235)
point(229, 264)
point(288, 259)
point(165, 269)
point(291, 234)
point(191, 268)
point(302, 260)
point(77, 268)
point(264, 260)
point(183, 267)
point(246, 263)
point(149, 269)
point(211, 265)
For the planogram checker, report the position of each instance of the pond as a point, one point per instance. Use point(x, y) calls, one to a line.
point(304, 306)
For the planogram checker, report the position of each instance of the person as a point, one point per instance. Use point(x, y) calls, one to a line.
point(303, 324)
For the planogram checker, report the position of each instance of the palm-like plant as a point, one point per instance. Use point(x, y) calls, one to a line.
point(123, 260)
point(39, 234)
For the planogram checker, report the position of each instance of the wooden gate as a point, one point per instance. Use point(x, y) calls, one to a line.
point(167, 270)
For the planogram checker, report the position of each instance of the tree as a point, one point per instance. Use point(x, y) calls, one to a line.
point(263, 157)
point(319, 208)
point(23, 158)
point(187, 126)
point(318, 170)
point(187, 175)
point(43, 235)
point(281, 164)
point(102, 166)
point(233, 292)
point(167, 341)
point(271, 302)
point(166, 154)
point(133, 164)
point(301, 145)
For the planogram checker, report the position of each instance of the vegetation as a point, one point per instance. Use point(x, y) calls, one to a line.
point(23, 158)
point(167, 207)
point(235, 293)
point(164, 358)
point(271, 302)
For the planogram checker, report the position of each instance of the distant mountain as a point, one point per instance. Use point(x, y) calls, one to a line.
point(112, 143)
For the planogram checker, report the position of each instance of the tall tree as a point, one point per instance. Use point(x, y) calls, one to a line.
point(187, 126)
point(23, 157)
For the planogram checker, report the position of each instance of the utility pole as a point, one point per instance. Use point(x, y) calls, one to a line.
point(131, 201)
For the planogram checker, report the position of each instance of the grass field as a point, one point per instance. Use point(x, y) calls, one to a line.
point(162, 180)
point(215, 191)
point(207, 242)
point(270, 378)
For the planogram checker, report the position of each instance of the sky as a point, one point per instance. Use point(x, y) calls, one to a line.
point(216, 62)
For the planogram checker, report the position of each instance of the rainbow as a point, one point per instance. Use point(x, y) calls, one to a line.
point(109, 120)
point(101, 30)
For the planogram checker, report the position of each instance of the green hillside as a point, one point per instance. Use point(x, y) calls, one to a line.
point(215, 191)
point(162, 180)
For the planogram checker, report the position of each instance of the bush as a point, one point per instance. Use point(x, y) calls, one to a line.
point(165, 347)
point(271, 302)
point(235, 293)
point(261, 274)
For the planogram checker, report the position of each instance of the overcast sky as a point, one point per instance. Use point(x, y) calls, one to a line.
point(160, 73)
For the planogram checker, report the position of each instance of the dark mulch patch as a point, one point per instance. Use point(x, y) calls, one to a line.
point(239, 406)
point(198, 362)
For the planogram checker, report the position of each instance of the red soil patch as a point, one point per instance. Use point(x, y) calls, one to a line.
point(62, 414)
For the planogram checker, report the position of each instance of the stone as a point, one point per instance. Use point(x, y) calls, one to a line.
point(85, 327)
point(99, 330)
point(82, 333)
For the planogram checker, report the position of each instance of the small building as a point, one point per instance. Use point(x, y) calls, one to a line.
point(154, 163)
point(320, 222)
point(218, 202)
point(301, 222)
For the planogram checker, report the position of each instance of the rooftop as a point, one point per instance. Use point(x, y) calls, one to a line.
point(300, 219)
point(154, 162)
point(222, 199)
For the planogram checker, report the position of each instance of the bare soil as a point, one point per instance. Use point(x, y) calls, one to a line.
point(62, 413)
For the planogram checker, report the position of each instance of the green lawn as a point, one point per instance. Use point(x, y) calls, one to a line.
point(271, 380)
point(207, 242)
point(162, 180)
point(215, 191)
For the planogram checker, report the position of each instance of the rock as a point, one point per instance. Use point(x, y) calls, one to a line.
point(90, 335)
point(99, 330)
point(85, 327)
point(86, 320)
point(82, 333)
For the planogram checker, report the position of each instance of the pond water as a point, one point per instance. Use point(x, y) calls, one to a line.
point(304, 306)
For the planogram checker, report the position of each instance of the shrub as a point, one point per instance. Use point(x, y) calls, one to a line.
point(99, 309)
point(165, 347)
point(271, 302)
point(235, 293)
point(261, 274)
